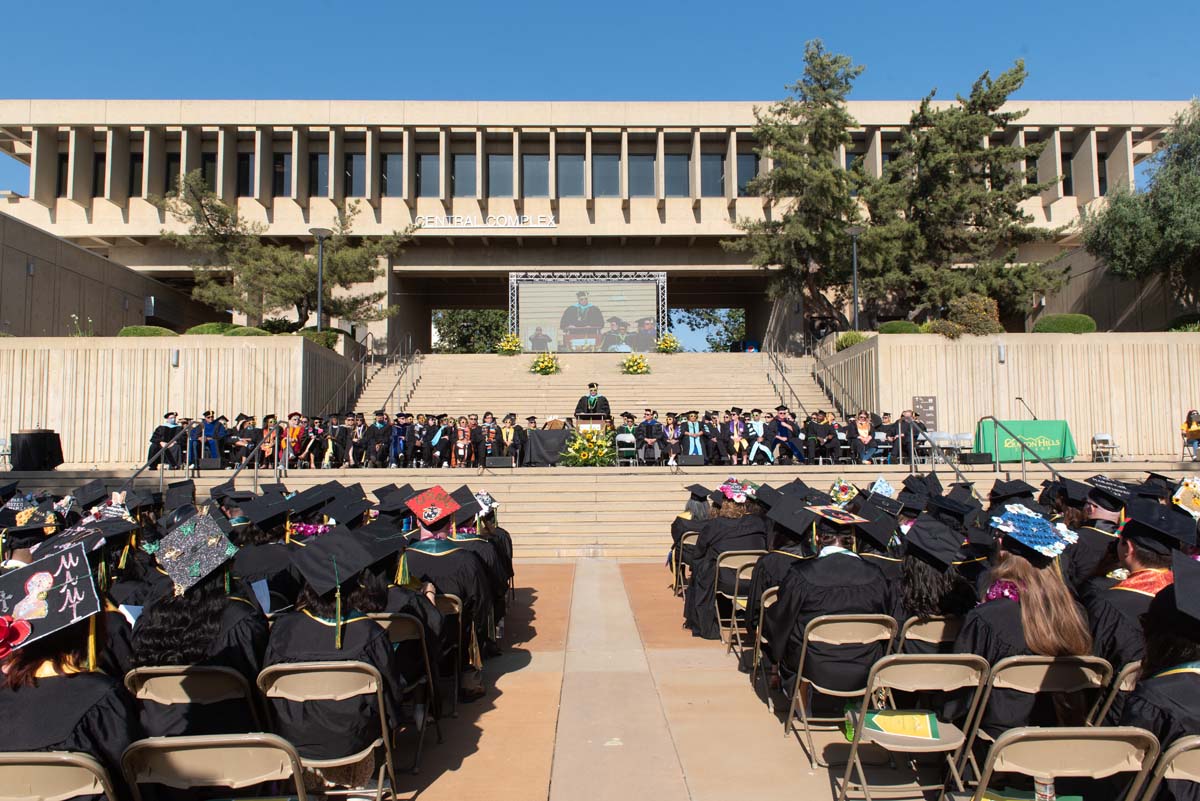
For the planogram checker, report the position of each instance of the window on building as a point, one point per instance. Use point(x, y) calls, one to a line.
point(171, 178)
point(135, 174)
point(281, 175)
point(676, 167)
point(354, 179)
point(428, 183)
point(318, 174)
point(570, 175)
point(99, 168)
point(712, 175)
point(245, 174)
point(500, 174)
point(1102, 174)
point(60, 178)
point(535, 175)
point(1068, 184)
point(208, 170)
point(606, 175)
point(747, 170)
point(851, 157)
point(391, 177)
point(1031, 171)
point(462, 174)
point(641, 175)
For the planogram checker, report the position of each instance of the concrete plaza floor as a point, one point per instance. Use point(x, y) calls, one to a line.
point(601, 695)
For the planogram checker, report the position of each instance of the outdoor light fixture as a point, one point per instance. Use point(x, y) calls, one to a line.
point(1001, 352)
point(321, 234)
point(855, 231)
point(175, 357)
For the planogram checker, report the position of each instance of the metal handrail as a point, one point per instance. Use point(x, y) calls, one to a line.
point(254, 456)
point(1021, 442)
point(826, 374)
point(156, 457)
point(359, 372)
point(779, 369)
point(409, 362)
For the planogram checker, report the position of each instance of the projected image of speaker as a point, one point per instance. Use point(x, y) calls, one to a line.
point(690, 460)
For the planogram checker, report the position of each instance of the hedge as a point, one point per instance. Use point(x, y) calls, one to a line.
point(246, 331)
point(899, 327)
point(146, 331)
point(326, 338)
point(1064, 324)
point(212, 328)
point(850, 339)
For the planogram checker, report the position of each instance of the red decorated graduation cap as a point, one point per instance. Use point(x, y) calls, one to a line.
point(432, 506)
point(46, 596)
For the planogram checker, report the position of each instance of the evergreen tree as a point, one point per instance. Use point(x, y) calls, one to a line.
point(805, 239)
point(946, 217)
point(722, 327)
point(469, 330)
point(234, 268)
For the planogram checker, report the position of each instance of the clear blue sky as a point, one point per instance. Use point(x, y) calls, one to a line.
point(540, 50)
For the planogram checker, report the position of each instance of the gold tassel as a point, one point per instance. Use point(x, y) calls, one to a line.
point(124, 556)
point(102, 575)
point(91, 644)
point(337, 609)
point(227, 582)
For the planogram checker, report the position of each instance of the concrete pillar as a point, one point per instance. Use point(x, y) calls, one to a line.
point(1119, 164)
point(410, 167)
point(516, 170)
point(553, 177)
point(1015, 137)
point(660, 166)
point(731, 176)
point(337, 163)
point(300, 164)
point(154, 157)
point(623, 168)
point(587, 165)
point(482, 177)
point(80, 153)
point(116, 166)
point(43, 165)
point(694, 164)
point(758, 315)
point(873, 161)
point(264, 165)
point(1048, 167)
point(374, 190)
point(444, 170)
point(189, 149)
point(1084, 173)
point(227, 152)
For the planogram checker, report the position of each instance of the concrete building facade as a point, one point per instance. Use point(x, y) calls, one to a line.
point(495, 186)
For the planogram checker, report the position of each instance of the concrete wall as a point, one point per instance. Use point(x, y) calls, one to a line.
point(105, 395)
point(1136, 387)
point(45, 279)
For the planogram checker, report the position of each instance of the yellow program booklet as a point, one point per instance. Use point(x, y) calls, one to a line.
point(904, 723)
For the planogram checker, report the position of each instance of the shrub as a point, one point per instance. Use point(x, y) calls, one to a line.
point(977, 314)
point(146, 331)
point(326, 339)
point(850, 339)
point(1064, 324)
point(246, 331)
point(947, 328)
point(277, 325)
point(1188, 328)
point(1185, 322)
point(899, 327)
point(211, 328)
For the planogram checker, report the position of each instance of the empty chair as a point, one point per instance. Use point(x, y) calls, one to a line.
point(769, 597)
point(222, 760)
point(1124, 682)
point(53, 775)
point(1104, 448)
point(682, 576)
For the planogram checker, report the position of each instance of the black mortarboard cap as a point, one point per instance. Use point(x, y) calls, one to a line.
point(468, 506)
point(933, 483)
point(90, 494)
point(7, 491)
point(1003, 490)
point(239, 496)
point(138, 500)
point(179, 494)
point(266, 513)
point(192, 550)
point(1178, 605)
point(221, 490)
point(382, 492)
point(814, 497)
point(879, 526)
point(698, 491)
point(1152, 489)
point(916, 485)
point(272, 489)
point(1157, 528)
point(313, 498)
point(933, 541)
point(889, 506)
point(794, 487)
point(1106, 499)
point(768, 496)
point(1166, 482)
point(1076, 491)
point(332, 559)
point(792, 513)
point(960, 510)
point(381, 540)
point(348, 511)
point(113, 530)
point(1118, 489)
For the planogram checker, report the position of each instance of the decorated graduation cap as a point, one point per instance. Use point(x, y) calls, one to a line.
point(1005, 490)
point(1031, 534)
point(1115, 488)
point(48, 595)
point(842, 491)
point(31, 525)
point(883, 487)
point(433, 507)
point(92, 536)
point(738, 491)
point(1157, 528)
point(934, 542)
point(178, 494)
point(487, 503)
point(1187, 497)
point(192, 550)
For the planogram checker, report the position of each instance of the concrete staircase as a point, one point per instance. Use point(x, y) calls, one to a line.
point(461, 384)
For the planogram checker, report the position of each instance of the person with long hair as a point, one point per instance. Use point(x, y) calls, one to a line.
point(789, 540)
point(931, 581)
point(1166, 701)
point(1190, 431)
point(737, 525)
point(1027, 608)
point(695, 511)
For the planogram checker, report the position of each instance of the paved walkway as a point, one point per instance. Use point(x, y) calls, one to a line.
point(601, 695)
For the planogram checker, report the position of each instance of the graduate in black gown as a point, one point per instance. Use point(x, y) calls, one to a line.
point(790, 540)
point(592, 406)
point(931, 584)
point(1026, 609)
point(1095, 553)
point(162, 437)
point(694, 513)
point(738, 525)
point(1166, 701)
point(264, 552)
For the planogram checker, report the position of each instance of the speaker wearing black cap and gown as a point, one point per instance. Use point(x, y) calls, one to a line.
point(592, 405)
point(719, 534)
point(835, 581)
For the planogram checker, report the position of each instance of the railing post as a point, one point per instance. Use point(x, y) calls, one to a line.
point(996, 445)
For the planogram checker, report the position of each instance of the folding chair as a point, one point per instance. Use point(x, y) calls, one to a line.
point(52, 775)
point(452, 606)
point(883, 449)
point(1104, 448)
point(844, 455)
point(742, 564)
point(401, 629)
point(914, 673)
point(769, 597)
point(217, 760)
point(681, 579)
point(1033, 675)
point(1180, 762)
point(934, 631)
point(333, 681)
point(832, 630)
point(1070, 752)
point(1125, 682)
point(627, 450)
point(192, 684)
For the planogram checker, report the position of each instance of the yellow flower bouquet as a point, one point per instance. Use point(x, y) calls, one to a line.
point(509, 345)
point(545, 364)
point(668, 343)
point(635, 364)
point(590, 449)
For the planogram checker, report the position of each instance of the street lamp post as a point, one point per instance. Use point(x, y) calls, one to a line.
point(322, 234)
point(855, 231)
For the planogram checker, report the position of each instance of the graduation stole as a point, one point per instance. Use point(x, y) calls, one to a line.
point(1147, 582)
point(1186, 667)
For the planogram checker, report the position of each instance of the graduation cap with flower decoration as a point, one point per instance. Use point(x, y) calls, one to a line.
point(46, 596)
point(842, 491)
point(1187, 497)
point(738, 491)
point(432, 507)
point(192, 550)
point(883, 487)
point(1033, 532)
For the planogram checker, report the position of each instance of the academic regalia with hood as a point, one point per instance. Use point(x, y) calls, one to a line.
point(1081, 560)
point(718, 535)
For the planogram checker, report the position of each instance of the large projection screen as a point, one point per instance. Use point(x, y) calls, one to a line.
point(586, 316)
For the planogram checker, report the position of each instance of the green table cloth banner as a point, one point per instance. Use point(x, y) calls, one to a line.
point(1049, 439)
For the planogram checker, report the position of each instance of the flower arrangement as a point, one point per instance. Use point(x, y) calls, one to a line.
point(590, 448)
point(738, 491)
point(842, 491)
point(635, 364)
point(509, 345)
point(545, 364)
point(668, 343)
